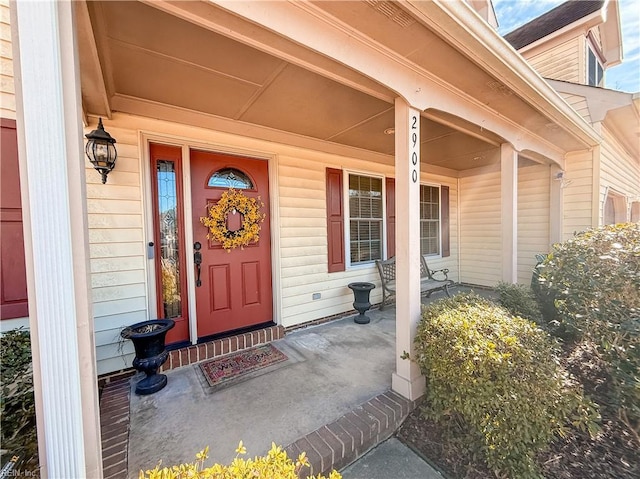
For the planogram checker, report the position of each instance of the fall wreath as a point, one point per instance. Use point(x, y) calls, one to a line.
point(233, 202)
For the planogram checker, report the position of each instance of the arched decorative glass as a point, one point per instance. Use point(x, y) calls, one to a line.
point(230, 178)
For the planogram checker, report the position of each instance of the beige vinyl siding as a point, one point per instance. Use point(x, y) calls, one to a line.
point(618, 171)
point(533, 217)
point(118, 231)
point(480, 229)
point(303, 243)
point(561, 62)
point(7, 88)
point(577, 193)
point(579, 104)
point(116, 251)
point(303, 239)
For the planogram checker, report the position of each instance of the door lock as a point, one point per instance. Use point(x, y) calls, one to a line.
point(197, 259)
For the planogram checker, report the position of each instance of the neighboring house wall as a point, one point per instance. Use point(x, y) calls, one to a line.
point(619, 176)
point(533, 217)
point(480, 229)
point(564, 61)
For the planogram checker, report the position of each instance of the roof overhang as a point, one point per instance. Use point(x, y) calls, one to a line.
point(606, 19)
point(457, 23)
point(619, 111)
point(236, 63)
point(611, 33)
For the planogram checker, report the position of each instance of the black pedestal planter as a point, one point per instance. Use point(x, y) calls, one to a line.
point(148, 340)
point(361, 302)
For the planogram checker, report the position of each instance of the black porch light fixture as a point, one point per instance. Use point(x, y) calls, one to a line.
point(101, 150)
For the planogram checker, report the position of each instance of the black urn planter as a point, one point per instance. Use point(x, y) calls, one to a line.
point(361, 302)
point(148, 341)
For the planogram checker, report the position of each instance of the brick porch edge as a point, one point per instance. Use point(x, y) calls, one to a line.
point(333, 446)
point(114, 425)
point(336, 445)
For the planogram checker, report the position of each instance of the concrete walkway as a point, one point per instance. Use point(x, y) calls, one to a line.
point(338, 375)
point(390, 459)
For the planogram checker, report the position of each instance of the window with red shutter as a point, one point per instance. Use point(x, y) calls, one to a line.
point(13, 279)
point(434, 218)
point(335, 221)
point(390, 197)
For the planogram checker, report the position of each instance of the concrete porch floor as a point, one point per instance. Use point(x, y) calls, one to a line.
point(331, 398)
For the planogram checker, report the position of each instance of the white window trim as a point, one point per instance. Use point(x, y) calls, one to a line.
point(619, 199)
point(631, 205)
point(439, 254)
point(593, 49)
point(347, 218)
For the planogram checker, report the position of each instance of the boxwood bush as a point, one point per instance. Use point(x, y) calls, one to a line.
point(498, 376)
point(519, 300)
point(592, 284)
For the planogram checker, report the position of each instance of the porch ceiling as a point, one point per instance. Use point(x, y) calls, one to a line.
point(149, 57)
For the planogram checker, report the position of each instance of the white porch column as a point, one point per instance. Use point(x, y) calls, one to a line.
point(51, 159)
point(509, 200)
point(407, 380)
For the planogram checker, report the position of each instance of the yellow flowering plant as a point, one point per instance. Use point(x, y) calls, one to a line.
point(275, 465)
point(233, 202)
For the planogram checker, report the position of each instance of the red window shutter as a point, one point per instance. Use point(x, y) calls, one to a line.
point(335, 220)
point(444, 218)
point(13, 277)
point(391, 216)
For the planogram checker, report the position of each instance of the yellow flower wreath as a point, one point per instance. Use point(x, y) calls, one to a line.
point(234, 201)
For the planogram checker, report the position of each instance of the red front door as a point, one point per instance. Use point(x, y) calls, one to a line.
point(235, 286)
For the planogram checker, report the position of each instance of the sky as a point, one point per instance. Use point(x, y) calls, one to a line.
point(626, 76)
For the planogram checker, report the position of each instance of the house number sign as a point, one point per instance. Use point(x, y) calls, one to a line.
point(414, 145)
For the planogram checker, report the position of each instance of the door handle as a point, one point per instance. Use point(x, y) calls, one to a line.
point(197, 259)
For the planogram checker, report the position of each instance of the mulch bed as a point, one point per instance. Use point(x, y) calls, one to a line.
point(612, 454)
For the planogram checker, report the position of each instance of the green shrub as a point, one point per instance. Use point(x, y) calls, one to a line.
point(594, 282)
point(17, 412)
point(498, 376)
point(519, 300)
point(274, 465)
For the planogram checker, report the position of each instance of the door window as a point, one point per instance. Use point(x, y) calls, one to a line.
point(230, 178)
point(169, 239)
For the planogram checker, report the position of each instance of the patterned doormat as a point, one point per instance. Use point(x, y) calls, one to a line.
point(236, 365)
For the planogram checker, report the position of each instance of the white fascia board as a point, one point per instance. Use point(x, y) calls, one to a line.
point(479, 41)
point(611, 34)
point(599, 100)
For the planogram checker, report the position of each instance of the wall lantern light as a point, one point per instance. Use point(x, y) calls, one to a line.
point(101, 150)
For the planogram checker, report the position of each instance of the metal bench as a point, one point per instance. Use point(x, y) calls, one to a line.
point(428, 282)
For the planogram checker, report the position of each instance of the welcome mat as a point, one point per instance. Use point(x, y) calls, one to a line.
point(233, 366)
